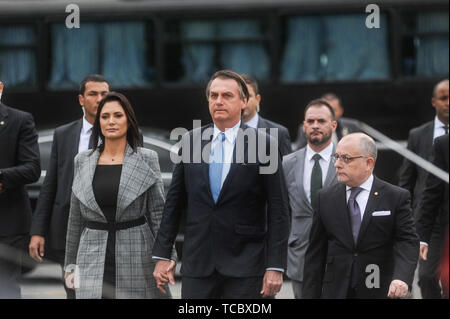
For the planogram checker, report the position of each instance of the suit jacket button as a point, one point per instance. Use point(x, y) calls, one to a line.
point(355, 254)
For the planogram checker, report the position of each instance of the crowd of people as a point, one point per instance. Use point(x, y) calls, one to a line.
point(320, 217)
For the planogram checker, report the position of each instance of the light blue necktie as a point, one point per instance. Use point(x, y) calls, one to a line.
point(215, 168)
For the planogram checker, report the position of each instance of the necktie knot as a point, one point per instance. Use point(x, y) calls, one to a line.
point(354, 192)
point(222, 136)
point(446, 129)
point(316, 157)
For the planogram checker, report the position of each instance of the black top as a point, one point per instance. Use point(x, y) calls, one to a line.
point(106, 187)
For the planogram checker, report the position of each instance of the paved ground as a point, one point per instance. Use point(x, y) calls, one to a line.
point(44, 283)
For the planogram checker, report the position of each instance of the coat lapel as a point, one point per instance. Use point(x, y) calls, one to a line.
point(82, 185)
point(74, 138)
point(298, 173)
point(331, 173)
point(136, 177)
point(375, 196)
point(3, 116)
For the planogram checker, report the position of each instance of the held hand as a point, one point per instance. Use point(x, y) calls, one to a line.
point(423, 251)
point(164, 272)
point(36, 247)
point(272, 282)
point(397, 289)
point(70, 282)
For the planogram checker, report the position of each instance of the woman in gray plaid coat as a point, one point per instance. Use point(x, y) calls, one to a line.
point(115, 211)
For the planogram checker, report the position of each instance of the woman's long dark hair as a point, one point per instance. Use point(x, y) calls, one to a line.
point(132, 130)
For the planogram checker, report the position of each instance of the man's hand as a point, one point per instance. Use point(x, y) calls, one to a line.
point(423, 251)
point(164, 272)
point(36, 247)
point(272, 282)
point(397, 289)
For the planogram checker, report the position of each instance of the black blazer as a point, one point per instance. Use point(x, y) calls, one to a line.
point(412, 177)
point(19, 164)
point(52, 208)
point(435, 194)
point(345, 126)
point(332, 259)
point(284, 140)
point(236, 236)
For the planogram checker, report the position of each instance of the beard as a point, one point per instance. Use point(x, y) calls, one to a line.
point(317, 141)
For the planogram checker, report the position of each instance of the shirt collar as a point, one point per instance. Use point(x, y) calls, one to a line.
point(230, 133)
point(367, 185)
point(325, 154)
point(438, 123)
point(253, 122)
point(86, 126)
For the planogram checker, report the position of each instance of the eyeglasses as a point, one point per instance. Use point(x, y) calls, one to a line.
point(344, 158)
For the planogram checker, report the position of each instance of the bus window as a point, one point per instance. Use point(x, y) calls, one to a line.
point(425, 44)
point(120, 51)
point(335, 47)
point(18, 67)
point(202, 47)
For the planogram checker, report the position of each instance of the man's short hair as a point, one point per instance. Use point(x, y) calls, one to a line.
point(320, 102)
point(91, 78)
point(227, 74)
point(250, 80)
point(331, 96)
point(437, 85)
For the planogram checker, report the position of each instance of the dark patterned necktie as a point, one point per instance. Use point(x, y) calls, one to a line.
point(355, 212)
point(316, 180)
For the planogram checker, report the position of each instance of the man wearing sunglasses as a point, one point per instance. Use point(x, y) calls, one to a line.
point(363, 243)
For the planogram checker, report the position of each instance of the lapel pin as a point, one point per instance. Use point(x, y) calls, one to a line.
point(2, 123)
point(376, 193)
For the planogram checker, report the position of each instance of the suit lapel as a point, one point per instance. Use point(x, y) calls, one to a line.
point(136, 177)
point(299, 170)
point(3, 116)
point(75, 138)
point(206, 149)
point(331, 173)
point(375, 196)
point(343, 217)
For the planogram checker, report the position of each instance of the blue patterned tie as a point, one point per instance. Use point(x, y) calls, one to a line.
point(355, 213)
point(215, 168)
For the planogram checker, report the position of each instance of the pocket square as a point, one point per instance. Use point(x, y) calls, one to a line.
point(382, 213)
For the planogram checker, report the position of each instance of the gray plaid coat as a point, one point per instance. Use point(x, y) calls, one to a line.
point(141, 193)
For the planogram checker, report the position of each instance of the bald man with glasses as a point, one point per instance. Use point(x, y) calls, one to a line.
point(363, 243)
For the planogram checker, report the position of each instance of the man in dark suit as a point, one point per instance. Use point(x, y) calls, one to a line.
point(363, 242)
point(344, 126)
point(233, 246)
point(49, 226)
point(252, 119)
point(19, 165)
point(433, 207)
point(412, 178)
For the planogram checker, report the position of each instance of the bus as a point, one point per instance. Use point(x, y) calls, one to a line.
point(382, 59)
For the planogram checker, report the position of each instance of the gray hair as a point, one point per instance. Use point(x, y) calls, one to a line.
point(369, 146)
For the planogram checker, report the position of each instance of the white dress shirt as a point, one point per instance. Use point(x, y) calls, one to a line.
point(439, 129)
point(363, 196)
point(253, 122)
point(85, 135)
point(324, 162)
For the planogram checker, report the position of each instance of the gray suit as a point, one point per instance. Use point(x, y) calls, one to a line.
point(141, 193)
point(301, 211)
